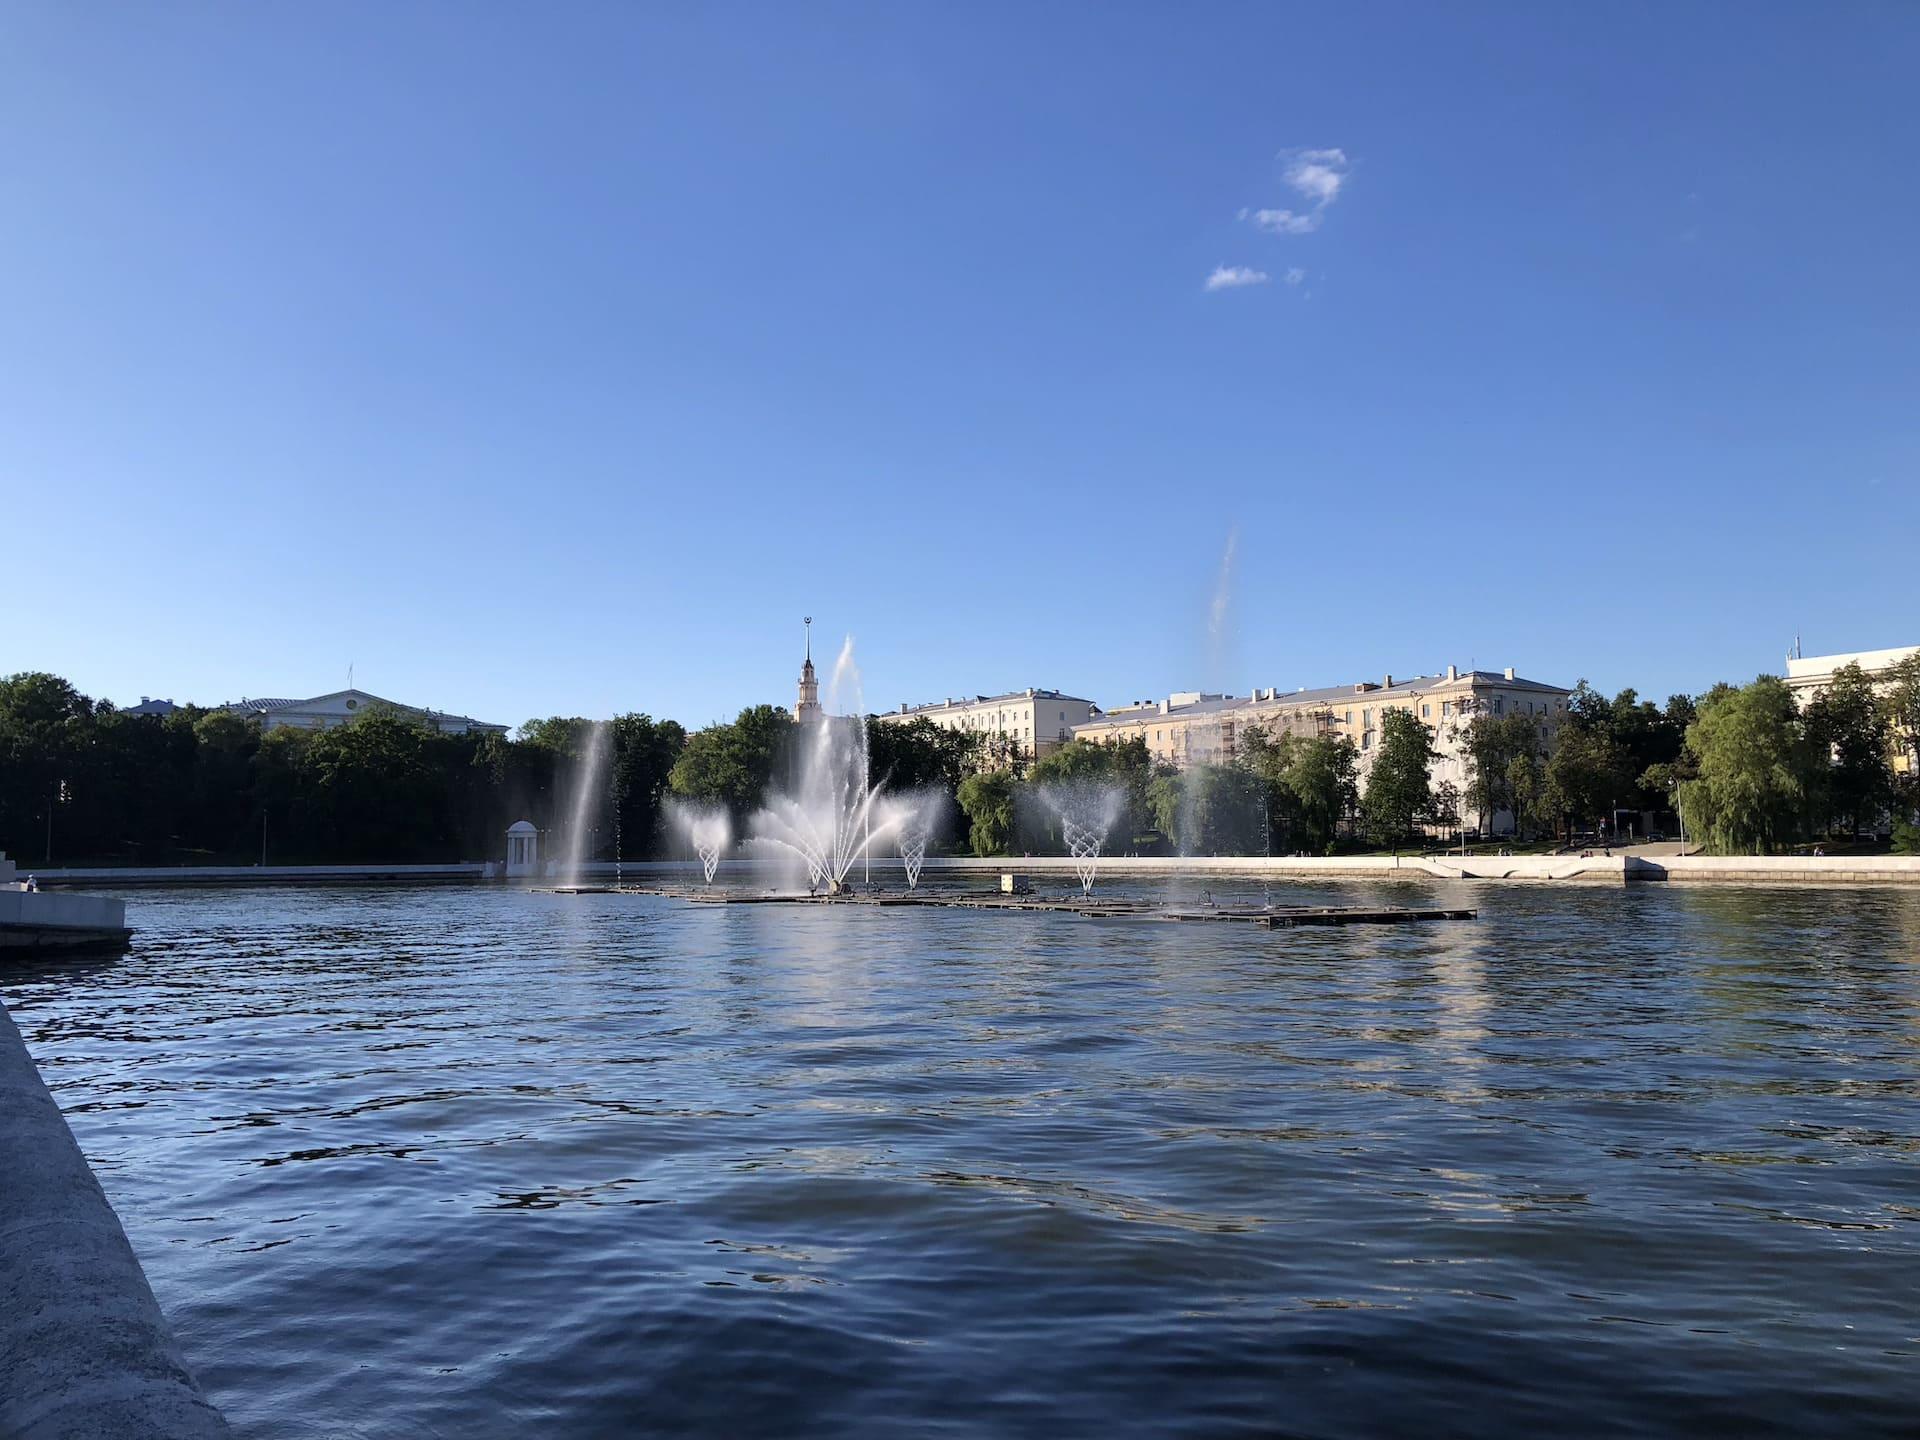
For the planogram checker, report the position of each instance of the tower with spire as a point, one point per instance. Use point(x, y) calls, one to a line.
point(807, 708)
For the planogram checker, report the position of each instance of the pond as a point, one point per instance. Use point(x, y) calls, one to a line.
point(468, 1161)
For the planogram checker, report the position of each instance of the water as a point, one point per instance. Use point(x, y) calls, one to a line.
point(408, 1162)
point(590, 799)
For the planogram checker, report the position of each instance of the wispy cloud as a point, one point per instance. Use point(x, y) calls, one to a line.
point(1317, 176)
point(1294, 275)
point(1232, 277)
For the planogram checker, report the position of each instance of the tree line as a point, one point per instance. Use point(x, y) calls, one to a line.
point(82, 783)
point(1745, 768)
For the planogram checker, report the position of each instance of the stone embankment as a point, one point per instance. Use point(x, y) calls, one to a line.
point(84, 1352)
point(1597, 869)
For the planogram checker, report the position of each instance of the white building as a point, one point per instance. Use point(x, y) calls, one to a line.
point(1809, 675)
point(1037, 721)
point(324, 712)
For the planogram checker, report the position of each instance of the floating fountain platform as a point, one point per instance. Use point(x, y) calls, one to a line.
point(1270, 917)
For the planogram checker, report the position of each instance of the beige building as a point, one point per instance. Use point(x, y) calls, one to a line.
point(1808, 675)
point(1194, 728)
point(1038, 722)
point(324, 712)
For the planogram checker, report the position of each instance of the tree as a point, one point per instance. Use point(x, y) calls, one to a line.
point(1399, 794)
point(1492, 745)
point(1585, 776)
point(644, 753)
point(1320, 774)
point(1847, 725)
point(1209, 809)
point(1753, 762)
point(987, 800)
point(918, 754)
point(1127, 763)
point(734, 762)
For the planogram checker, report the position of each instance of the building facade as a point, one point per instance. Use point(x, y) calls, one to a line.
point(1809, 675)
point(324, 712)
point(1194, 728)
point(1036, 722)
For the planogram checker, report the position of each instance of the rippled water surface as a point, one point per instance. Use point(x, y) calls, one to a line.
point(473, 1162)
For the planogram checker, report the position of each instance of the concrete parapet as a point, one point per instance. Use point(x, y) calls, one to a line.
point(85, 1353)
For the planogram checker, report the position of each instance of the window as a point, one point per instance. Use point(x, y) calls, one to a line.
point(1366, 740)
point(1499, 704)
point(1426, 712)
point(1446, 708)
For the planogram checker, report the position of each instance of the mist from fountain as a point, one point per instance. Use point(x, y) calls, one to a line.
point(835, 817)
point(589, 796)
point(707, 828)
point(1087, 810)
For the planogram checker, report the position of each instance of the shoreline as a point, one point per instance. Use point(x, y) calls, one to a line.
point(1781, 870)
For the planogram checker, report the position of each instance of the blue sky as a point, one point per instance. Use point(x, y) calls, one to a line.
point(558, 359)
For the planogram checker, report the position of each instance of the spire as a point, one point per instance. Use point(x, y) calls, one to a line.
point(807, 704)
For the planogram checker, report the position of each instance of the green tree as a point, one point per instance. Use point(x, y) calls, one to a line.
point(1753, 762)
point(1324, 778)
point(735, 762)
point(1399, 795)
point(1585, 776)
point(1493, 746)
point(1847, 724)
point(644, 753)
point(987, 800)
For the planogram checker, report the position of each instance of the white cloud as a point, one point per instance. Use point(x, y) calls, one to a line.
point(1287, 222)
point(1294, 275)
point(1232, 277)
point(1317, 176)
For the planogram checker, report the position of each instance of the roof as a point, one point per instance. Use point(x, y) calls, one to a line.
point(967, 700)
point(1328, 696)
point(356, 700)
point(523, 827)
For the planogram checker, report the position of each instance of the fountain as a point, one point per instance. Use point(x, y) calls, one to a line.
point(1087, 811)
point(589, 795)
point(833, 821)
point(708, 829)
point(913, 849)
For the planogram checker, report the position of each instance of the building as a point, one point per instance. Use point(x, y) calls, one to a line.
point(1809, 675)
point(150, 706)
point(1195, 728)
point(324, 712)
point(806, 707)
point(1037, 722)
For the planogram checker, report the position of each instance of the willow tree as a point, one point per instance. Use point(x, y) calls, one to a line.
point(1753, 764)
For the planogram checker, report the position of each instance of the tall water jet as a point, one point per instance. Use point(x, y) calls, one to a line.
point(835, 819)
point(589, 798)
point(1087, 810)
point(707, 828)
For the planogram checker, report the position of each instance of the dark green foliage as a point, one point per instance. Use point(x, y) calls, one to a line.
point(1849, 725)
point(732, 763)
point(199, 786)
point(987, 800)
point(1399, 798)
